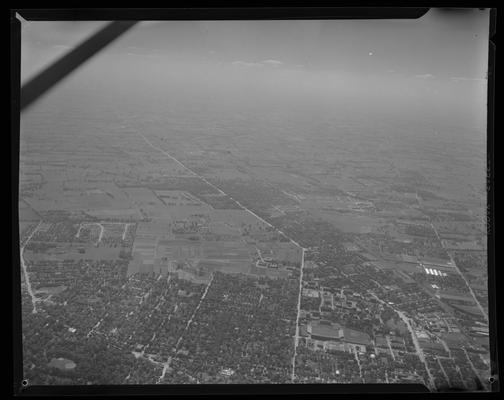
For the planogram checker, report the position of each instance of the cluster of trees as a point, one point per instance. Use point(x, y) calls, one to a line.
point(233, 329)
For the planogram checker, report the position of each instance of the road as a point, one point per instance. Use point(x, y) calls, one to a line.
point(96, 325)
point(418, 349)
point(102, 229)
point(296, 337)
point(34, 298)
point(475, 371)
point(126, 225)
point(358, 364)
point(387, 337)
point(167, 363)
point(461, 274)
point(443, 371)
point(192, 173)
point(454, 264)
point(218, 189)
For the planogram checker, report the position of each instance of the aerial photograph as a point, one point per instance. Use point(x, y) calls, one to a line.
point(258, 202)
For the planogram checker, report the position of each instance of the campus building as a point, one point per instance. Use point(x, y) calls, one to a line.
point(332, 336)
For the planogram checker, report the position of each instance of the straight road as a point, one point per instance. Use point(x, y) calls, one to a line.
point(34, 298)
point(296, 338)
point(418, 349)
point(192, 173)
point(478, 304)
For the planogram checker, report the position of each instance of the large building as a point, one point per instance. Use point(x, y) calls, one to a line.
point(332, 336)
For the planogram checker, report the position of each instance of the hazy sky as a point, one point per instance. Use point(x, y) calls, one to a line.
point(438, 62)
